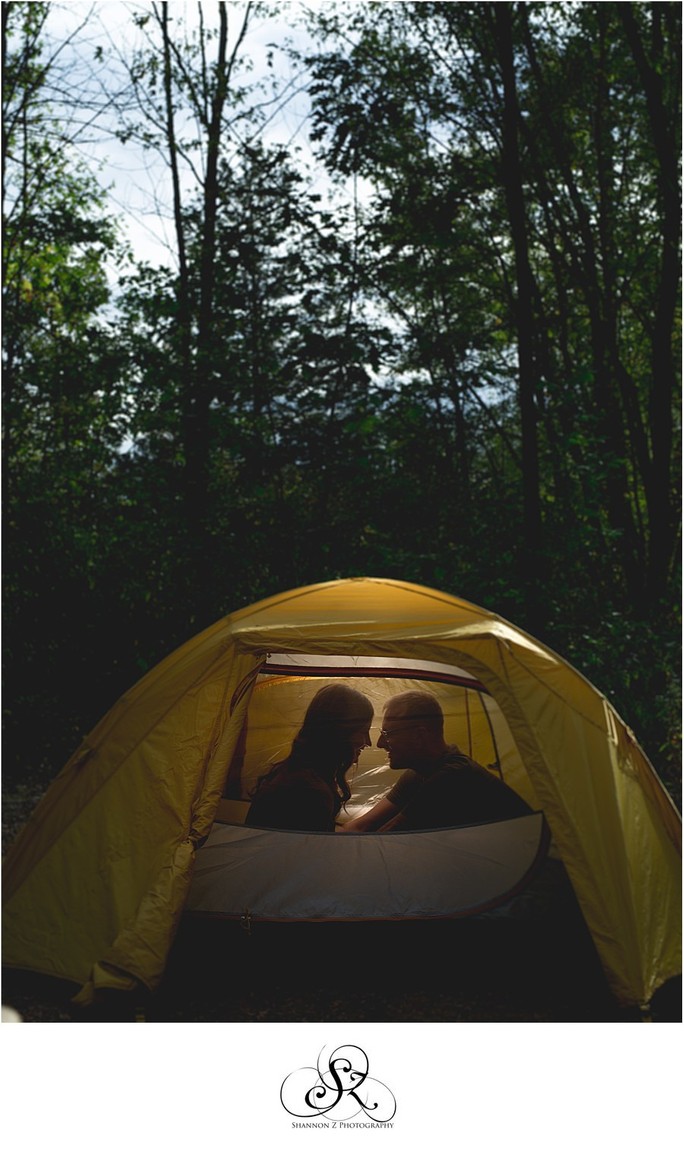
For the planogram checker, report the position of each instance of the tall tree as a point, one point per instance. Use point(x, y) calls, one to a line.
point(64, 404)
point(512, 179)
point(654, 36)
point(183, 104)
point(548, 105)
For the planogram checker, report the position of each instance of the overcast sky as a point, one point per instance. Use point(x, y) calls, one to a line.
point(138, 184)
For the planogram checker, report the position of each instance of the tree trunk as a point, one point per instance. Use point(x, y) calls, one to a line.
point(664, 121)
point(531, 564)
point(197, 444)
point(184, 325)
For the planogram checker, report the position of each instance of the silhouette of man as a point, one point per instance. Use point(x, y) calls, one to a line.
point(439, 786)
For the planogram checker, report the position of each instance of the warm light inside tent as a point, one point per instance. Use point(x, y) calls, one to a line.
point(287, 684)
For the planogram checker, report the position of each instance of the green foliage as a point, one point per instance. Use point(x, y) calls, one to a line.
point(360, 371)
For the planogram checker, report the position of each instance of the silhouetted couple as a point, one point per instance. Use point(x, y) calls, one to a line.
point(439, 786)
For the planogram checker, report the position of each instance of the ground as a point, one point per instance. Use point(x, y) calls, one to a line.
point(453, 971)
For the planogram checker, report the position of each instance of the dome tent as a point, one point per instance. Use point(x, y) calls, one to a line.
point(95, 884)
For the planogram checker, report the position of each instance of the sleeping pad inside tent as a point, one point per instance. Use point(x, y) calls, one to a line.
point(146, 822)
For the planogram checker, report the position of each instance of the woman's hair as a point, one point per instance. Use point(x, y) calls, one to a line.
point(324, 741)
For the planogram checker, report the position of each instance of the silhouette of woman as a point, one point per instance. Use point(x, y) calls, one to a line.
point(307, 789)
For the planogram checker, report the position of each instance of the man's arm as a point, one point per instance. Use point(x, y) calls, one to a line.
point(382, 812)
point(396, 823)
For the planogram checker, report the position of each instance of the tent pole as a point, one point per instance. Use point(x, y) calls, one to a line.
point(495, 748)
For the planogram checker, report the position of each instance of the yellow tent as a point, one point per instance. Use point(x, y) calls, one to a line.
point(95, 884)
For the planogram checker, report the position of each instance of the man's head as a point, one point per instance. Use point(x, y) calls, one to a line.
point(413, 732)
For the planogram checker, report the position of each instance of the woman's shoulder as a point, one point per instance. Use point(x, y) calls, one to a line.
point(294, 800)
point(304, 776)
point(297, 784)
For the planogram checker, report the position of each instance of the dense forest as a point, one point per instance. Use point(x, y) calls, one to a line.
point(436, 338)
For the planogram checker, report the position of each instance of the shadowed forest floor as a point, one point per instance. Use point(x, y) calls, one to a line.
point(468, 971)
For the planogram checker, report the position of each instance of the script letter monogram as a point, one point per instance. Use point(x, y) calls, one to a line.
point(338, 1089)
